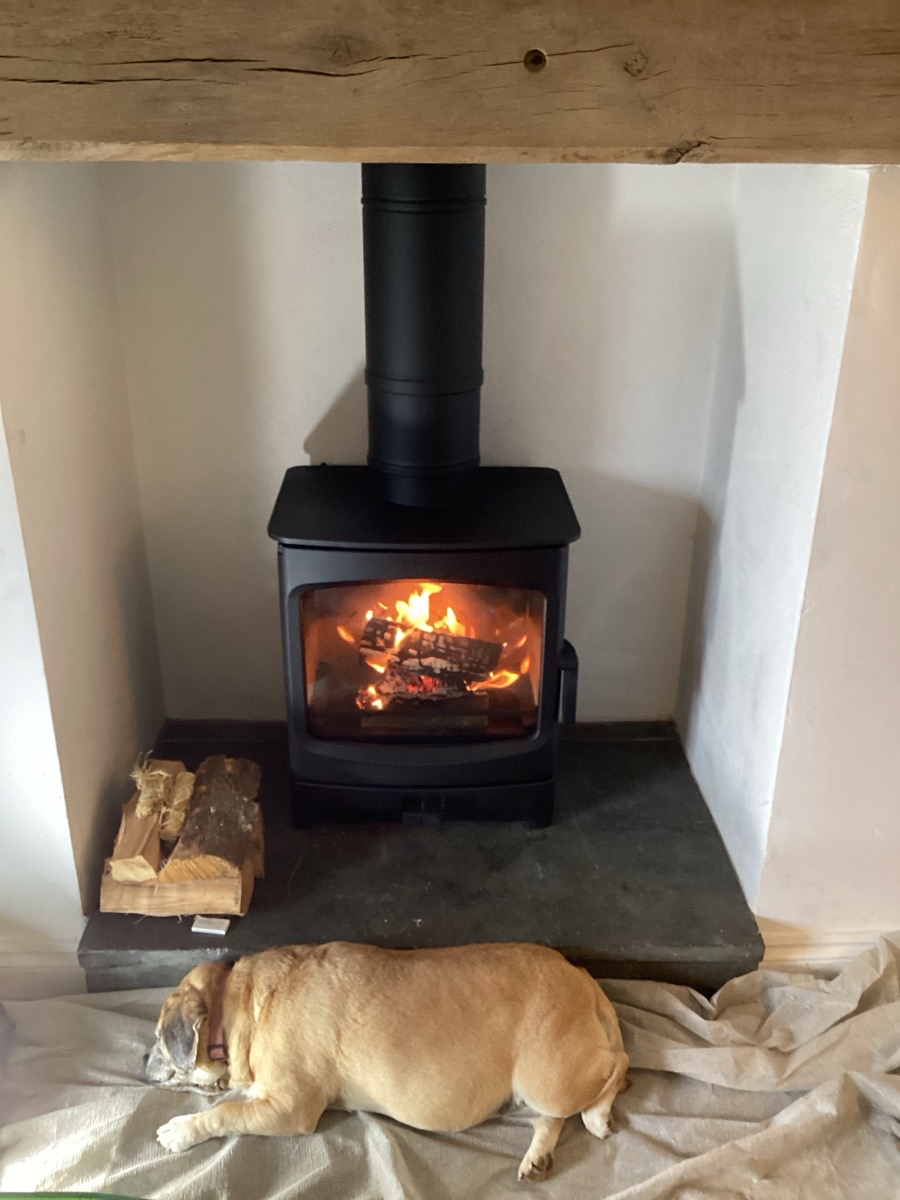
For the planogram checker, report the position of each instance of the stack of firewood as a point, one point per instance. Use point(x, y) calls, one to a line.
point(187, 843)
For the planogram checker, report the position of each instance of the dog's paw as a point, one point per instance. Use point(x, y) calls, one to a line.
point(533, 1169)
point(178, 1134)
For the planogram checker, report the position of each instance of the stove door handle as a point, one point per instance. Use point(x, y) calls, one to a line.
point(568, 683)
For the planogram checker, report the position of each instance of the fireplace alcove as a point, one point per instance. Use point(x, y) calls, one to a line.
point(225, 560)
point(72, 426)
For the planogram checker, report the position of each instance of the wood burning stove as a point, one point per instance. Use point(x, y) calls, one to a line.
point(423, 596)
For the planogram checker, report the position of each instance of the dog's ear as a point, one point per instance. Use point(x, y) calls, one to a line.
point(179, 1029)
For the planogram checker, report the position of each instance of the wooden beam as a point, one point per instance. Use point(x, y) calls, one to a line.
point(642, 81)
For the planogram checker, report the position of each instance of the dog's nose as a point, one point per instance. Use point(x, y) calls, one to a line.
point(156, 1070)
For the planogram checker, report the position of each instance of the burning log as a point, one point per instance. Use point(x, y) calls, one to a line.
point(428, 654)
point(398, 685)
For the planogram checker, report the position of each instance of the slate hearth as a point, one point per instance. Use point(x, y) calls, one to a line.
point(631, 880)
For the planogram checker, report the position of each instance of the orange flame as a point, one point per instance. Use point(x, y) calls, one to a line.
point(415, 613)
point(451, 623)
point(497, 679)
point(411, 614)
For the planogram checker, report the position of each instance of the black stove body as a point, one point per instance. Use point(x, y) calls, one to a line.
point(423, 596)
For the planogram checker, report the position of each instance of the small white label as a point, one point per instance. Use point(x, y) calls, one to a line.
point(217, 925)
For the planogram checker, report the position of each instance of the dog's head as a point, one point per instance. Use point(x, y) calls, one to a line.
point(179, 1058)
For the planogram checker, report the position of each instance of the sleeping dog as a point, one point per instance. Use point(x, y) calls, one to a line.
point(437, 1039)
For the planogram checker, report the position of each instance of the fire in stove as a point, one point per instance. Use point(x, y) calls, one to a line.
point(420, 656)
point(423, 658)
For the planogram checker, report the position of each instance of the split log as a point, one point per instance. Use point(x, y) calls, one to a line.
point(154, 778)
point(175, 809)
point(136, 854)
point(224, 896)
point(164, 787)
point(223, 827)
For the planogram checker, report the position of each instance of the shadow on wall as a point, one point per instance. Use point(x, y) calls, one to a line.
point(628, 585)
point(609, 294)
point(342, 434)
point(188, 323)
point(93, 839)
point(138, 639)
point(241, 294)
point(729, 393)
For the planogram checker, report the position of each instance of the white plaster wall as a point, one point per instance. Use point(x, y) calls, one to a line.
point(68, 429)
point(604, 285)
point(668, 338)
point(40, 911)
point(831, 863)
point(796, 234)
point(241, 302)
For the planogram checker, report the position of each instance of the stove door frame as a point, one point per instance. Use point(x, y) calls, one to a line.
point(340, 778)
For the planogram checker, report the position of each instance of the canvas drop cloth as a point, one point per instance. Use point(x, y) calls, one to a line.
point(782, 1086)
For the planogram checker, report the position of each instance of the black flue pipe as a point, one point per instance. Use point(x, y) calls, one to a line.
point(423, 252)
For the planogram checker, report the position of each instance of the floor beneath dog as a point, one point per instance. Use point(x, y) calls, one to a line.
point(631, 880)
point(781, 1087)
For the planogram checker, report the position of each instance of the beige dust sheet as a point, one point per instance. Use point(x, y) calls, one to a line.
point(782, 1086)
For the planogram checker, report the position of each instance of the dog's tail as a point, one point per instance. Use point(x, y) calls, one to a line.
point(608, 1018)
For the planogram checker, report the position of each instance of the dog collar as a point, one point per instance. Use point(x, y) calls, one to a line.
point(217, 1047)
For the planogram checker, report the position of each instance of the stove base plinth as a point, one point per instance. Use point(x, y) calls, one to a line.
point(322, 803)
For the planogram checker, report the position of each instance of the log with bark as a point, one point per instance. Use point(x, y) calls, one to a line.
point(222, 829)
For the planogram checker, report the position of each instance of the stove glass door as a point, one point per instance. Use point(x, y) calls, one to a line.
point(421, 660)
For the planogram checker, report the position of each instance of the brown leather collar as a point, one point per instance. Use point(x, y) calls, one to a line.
point(217, 1047)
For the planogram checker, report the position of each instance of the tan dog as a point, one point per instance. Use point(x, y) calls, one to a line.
point(437, 1039)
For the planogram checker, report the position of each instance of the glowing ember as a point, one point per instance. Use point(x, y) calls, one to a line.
point(346, 635)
